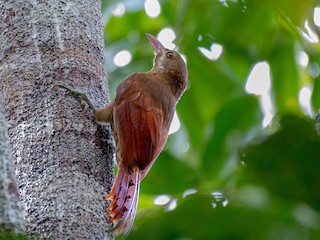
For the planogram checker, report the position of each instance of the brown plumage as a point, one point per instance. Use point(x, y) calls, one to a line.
point(141, 114)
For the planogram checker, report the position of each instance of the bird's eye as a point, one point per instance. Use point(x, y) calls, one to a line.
point(170, 55)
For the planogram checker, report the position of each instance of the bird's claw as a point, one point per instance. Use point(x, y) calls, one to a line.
point(69, 88)
point(83, 97)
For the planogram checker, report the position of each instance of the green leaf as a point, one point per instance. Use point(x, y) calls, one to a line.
point(287, 162)
point(231, 128)
point(168, 176)
point(285, 79)
point(202, 217)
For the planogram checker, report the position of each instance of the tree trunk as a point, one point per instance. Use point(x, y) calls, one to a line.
point(317, 122)
point(63, 159)
point(10, 212)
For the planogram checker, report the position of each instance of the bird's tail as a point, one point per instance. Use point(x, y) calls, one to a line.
point(124, 200)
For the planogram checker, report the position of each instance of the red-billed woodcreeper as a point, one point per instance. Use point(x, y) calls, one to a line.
point(140, 115)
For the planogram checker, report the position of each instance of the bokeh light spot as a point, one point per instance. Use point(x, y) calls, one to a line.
point(166, 37)
point(162, 199)
point(152, 8)
point(119, 10)
point(122, 58)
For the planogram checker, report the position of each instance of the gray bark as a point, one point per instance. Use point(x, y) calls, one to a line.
point(317, 122)
point(10, 212)
point(63, 159)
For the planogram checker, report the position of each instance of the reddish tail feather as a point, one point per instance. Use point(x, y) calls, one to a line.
point(124, 200)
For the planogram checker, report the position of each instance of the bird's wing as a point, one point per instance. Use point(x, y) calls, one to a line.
point(139, 122)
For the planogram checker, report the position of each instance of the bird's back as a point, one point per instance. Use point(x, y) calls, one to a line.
point(141, 119)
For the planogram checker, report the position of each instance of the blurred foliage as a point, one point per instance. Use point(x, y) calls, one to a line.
point(227, 176)
point(7, 233)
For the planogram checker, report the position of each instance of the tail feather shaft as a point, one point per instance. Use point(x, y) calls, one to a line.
point(124, 200)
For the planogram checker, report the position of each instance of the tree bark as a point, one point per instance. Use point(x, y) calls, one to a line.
point(317, 122)
point(63, 159)
point(10, 212)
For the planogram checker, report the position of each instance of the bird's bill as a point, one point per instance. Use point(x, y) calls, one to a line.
point(157, 46)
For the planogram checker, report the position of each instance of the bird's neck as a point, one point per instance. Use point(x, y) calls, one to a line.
point(174, 79)
point(177, 82)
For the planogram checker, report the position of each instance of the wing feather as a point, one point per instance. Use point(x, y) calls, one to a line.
point(139, 127)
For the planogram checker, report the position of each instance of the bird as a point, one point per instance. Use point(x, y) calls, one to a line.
point(140, 115)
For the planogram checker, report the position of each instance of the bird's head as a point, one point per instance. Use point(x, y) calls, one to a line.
point(169, 61)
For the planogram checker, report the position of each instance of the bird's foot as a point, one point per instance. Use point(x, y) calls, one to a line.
point(75, 93)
